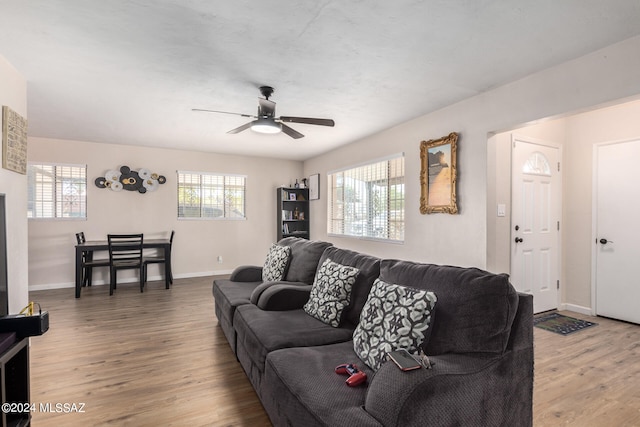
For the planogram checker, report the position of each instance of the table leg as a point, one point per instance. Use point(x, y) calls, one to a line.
point(167, 266)
point(78, 271)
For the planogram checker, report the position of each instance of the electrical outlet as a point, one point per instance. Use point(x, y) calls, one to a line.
point(219, 259)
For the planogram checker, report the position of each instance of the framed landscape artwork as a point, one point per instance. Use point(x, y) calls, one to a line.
point(438, 175)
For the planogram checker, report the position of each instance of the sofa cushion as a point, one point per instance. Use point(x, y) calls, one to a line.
point(393, 317)
point(305, 256)
point(331, 292)
point(261, 332)
point(229, 294)
point(475, 308)
point(275, 266)
point(369, 267)
point(304, 389)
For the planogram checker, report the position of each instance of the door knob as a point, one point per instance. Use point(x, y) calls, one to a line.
point(605, 241)
point(519, 240)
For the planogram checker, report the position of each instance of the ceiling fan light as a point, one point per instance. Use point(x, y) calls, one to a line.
point(266, 126)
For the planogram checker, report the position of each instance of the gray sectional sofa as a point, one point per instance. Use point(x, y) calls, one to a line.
point(479, 342)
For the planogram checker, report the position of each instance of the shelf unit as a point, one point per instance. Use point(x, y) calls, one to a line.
point(293, 212)
point(14, 374)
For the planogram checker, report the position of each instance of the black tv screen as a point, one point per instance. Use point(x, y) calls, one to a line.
point(4, 297)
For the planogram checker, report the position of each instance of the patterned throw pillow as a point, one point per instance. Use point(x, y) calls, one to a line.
point(275, 266)
point(393, 317)
point(331, 292)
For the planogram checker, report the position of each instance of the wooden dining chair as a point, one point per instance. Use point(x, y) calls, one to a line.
point(159, 259)
point(88, 262)
point(125, 253)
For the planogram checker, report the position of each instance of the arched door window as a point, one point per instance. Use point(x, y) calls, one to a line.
point(537, 164)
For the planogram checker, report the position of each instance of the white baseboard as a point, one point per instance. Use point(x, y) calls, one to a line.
point(576, 309)
point(48, 286)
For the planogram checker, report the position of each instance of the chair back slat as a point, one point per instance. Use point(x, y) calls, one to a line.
point(125, 248)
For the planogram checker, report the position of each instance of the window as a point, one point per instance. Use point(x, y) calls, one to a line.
point(368, 201)
point(537, 164)
point(211, 196)
point(57, 191)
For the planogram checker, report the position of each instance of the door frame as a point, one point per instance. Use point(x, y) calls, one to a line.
point(594, 217)
point(560, 147)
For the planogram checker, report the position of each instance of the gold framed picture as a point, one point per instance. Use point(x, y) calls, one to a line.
point(438, 175)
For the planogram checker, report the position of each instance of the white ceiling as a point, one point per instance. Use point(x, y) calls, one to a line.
point(130, 71)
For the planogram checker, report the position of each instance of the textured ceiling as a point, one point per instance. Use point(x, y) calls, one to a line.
point(129, 72)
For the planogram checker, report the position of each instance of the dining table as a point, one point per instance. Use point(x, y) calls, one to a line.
point(103, 245)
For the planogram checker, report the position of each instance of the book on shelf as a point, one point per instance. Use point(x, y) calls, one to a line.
point(287, 215)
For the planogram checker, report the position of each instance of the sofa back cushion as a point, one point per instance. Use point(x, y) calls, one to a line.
point(304, 259)
point(475, 308)
point(369, 270)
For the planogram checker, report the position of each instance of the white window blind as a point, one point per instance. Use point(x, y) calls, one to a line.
point(211, 196)
point(57, 191)
point(368, 201)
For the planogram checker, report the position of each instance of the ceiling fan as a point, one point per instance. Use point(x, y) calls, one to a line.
point(266, 122)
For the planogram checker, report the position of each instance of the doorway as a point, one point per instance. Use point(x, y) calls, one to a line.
point(535, 220)
point(616, 199)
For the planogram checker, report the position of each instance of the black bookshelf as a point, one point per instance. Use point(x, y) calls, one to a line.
point(14, 387)
point(293, 212)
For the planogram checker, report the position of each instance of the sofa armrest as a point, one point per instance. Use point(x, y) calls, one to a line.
point(247, 273)
point(282, 296)
point(457, 390)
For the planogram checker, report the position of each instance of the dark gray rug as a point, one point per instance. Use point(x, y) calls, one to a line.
point(560, 324)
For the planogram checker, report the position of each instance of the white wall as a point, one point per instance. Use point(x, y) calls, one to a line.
point(13, 93)
point(465, 239)
point(578, 134)
point(617, 123)
point(598, 78)
point(499, 178)
point(197, 243)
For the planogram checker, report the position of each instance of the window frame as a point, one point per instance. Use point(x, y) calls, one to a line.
point(56, 201)
point(369, 226)
point(210, 188)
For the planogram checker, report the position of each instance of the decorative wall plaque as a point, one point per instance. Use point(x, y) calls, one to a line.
point(142, 180)
point(14, 141)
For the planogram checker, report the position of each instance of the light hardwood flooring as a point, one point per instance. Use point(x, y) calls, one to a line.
point(158, 358)
point(588, 378)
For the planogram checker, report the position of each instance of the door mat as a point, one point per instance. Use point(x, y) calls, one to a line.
point(560, 324)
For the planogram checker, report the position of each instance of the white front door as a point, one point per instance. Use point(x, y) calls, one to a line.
point(535, 221)
point(617, 230)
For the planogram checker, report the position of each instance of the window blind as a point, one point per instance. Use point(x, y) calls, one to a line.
point(211, 196)
point(367, 201)
point(57, 191)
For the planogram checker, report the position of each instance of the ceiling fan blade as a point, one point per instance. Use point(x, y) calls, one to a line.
point(291, 132)
point(308, 120)
point(241, 128)
point(223, 112)
point(266, 107)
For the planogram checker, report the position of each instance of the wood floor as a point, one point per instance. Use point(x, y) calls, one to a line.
point(159, 359)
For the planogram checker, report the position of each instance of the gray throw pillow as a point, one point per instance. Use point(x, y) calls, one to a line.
point(331, 292)
point(393, 317)
point(275, 266)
